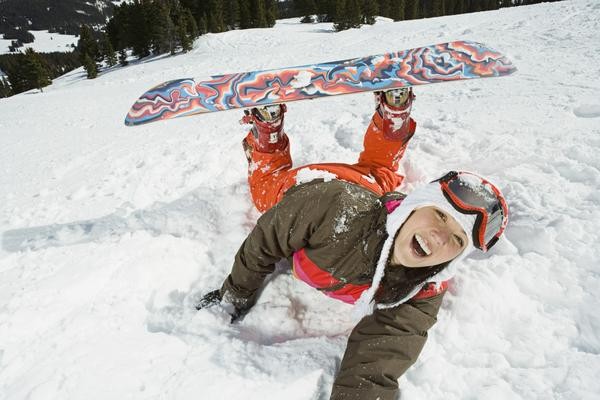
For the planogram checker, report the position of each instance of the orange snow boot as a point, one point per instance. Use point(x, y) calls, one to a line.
point(267, 128)
point(394, 107)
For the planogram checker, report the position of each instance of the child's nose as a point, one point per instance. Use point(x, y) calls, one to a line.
point(440, 236)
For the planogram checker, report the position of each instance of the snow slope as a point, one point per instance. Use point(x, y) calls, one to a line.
point(110, 233)
point(45, 42)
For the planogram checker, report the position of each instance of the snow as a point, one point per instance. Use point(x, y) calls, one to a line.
point(301, 80)
point(110, 233)
point(310, 174)
point(45, 42)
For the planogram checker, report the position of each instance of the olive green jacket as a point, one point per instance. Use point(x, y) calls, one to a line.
point(341, 227)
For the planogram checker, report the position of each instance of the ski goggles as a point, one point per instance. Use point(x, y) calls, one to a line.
point(471, 194)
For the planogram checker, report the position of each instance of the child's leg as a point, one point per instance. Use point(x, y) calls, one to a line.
point(380, 151)
point(384, 147)
point(269, 174)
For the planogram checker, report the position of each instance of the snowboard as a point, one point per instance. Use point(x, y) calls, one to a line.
point(444, 62)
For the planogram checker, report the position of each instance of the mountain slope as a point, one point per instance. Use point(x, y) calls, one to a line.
point(63, 16)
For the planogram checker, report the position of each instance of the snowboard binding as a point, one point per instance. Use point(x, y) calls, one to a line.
point(267, 127)
point(394, 107)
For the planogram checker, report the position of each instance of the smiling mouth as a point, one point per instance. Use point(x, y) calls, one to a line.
point(419, 246)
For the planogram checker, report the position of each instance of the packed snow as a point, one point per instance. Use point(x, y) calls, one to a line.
point(111, 233)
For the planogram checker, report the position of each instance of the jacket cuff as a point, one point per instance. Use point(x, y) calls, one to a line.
point(239, 298)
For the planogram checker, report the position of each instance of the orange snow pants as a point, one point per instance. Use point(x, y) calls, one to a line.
point(271, 174)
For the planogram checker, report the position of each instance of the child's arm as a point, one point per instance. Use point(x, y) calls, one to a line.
point(282, 230)
point(382, 347)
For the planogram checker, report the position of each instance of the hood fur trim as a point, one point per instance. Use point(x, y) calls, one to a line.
point(427, 195)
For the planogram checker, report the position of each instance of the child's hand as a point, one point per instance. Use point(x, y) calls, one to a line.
point(213, 298)
point(210, 299)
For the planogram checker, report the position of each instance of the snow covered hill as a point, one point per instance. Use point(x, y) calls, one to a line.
point(110, 233)
point(45, 42)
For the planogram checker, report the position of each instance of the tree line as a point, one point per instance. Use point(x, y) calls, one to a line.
point(151, 27)
point(64, 16)
point(346, 14)
point(31, 70)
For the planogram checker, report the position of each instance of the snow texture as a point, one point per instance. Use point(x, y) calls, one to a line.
point(310, 174)
point(301, 80)
point(110, 234)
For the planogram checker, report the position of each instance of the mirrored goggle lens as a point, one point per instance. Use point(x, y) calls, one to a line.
point(494, 226)
point(473, 195)
point(397, 97)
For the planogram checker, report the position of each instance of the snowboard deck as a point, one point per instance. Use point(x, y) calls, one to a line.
point(444, 62)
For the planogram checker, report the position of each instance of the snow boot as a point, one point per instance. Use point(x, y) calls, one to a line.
point(267, 128)
point(394, 106)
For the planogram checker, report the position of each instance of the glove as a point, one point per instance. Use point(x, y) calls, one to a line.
point(209, 299)
point(213, 298)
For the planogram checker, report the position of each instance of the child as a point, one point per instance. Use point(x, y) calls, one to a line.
point(357, 240)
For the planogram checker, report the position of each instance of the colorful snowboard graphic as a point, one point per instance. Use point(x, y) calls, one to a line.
point(431, 64)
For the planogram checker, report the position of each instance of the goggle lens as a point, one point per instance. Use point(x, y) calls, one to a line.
point(471, 194)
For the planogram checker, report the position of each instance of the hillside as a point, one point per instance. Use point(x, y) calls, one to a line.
point(63, 16)
point(109, 234)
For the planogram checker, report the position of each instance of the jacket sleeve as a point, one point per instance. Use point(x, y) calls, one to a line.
point(382, 347)
point(298, 220)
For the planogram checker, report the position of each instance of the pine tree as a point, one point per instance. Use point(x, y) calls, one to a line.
point(160, 20)
point(108, 52)
point(172, 35)
point(156, 16)
point(5, 89)
point(271, 12)
point(114, 29)
point(17, 79)
point(340, 21)
point(88, 51)
point(307, 8)
point(449, 7)
point(231, 14)
point(258, 13)
point(202, 25)
point(348, 15)
point(183, 34)
point(123, 57)
point(354, 13)
point(414, 9)
point(370, 10)
point(190, 21)
point(87, 45)
point(328, 11)
point(459, 7)
point(245, 14)
point(90, 67)
point(35, 72)
point(397, 11)
point(437, 8)
point(215, 16)
point(139, 32)
point(385, 7)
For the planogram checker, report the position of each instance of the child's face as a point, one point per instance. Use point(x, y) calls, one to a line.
point(428, 237)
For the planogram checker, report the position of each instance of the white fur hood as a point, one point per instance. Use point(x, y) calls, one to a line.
point(427, 195)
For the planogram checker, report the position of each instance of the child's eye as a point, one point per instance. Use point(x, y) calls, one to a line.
point(443, 216)
point(459, 240)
